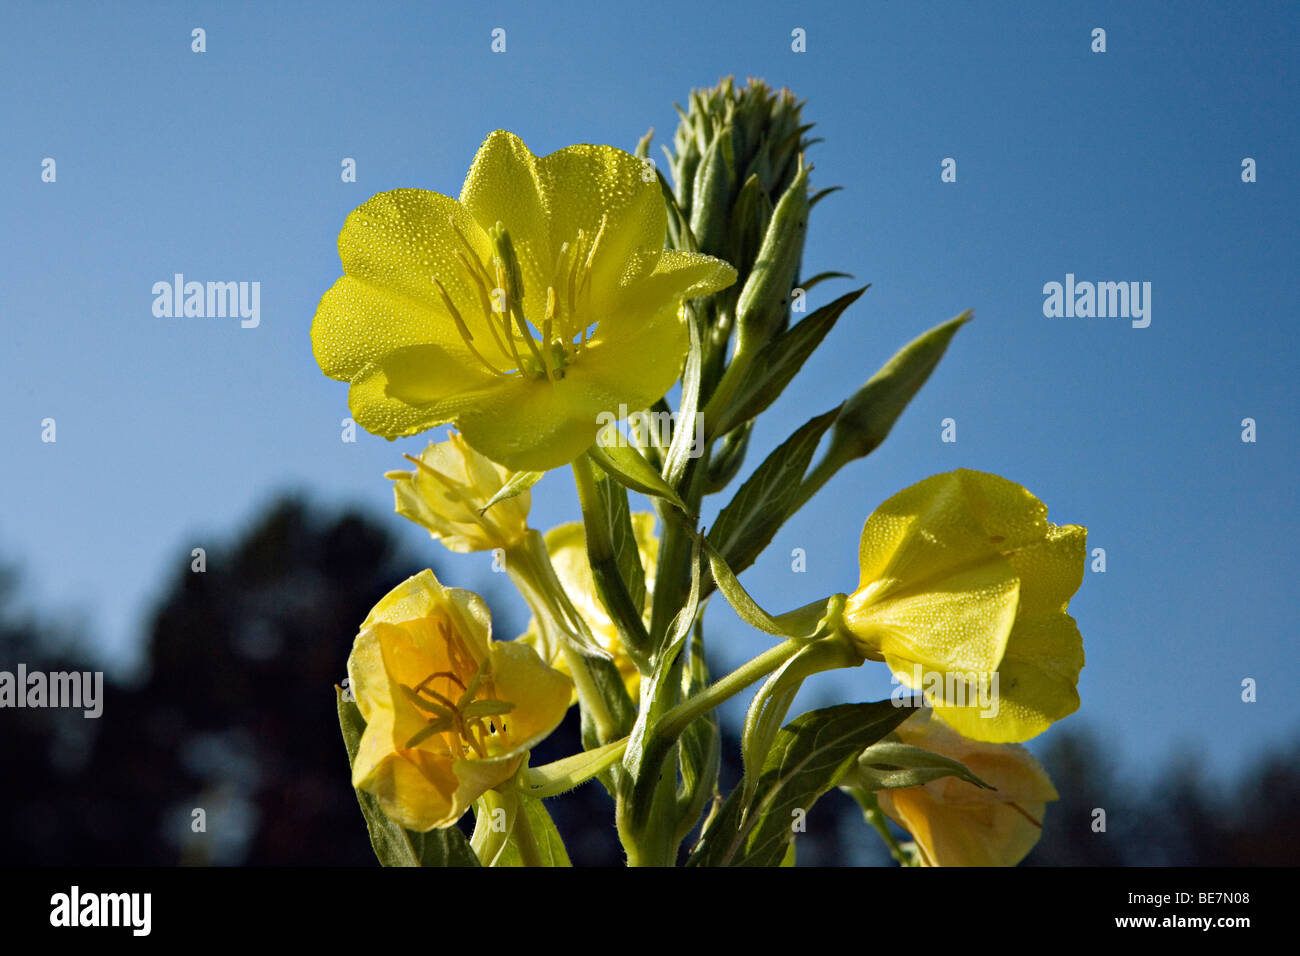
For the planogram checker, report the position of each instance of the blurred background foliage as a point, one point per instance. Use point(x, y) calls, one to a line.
point(234, 714)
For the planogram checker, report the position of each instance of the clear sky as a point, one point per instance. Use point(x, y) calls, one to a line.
point(1117, 166)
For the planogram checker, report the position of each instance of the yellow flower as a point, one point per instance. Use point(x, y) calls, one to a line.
point(567, 546)
point(447, 489)
point(521, 312)
point(963, 594)
point(449, 713)
point(956, 823)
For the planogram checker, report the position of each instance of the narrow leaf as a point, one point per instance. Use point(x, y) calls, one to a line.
point(778, 361)
point(515, 485)
point(749, 522)
point(890, 765)
point(808, 758)
point(626, 465)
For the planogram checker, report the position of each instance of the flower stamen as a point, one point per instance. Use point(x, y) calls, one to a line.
point(463, 329)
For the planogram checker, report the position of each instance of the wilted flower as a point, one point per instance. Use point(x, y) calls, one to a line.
point(956, 823)
point(447, 492)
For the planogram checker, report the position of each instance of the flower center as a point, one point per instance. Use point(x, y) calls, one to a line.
point(469, 723)
point(538, 349)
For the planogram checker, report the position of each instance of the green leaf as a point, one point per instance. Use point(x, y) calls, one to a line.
point(686, 423)
point(746, 608)
point(554, 778)
point(700, 753)
point(626, 465)
point(760, 507)
point(623, 538)
point(602, 502)
point(393, 844)
point(808, 758)
point(812, 281)
point(546, 838)
point(890, 765)
point(822, 194)
point(772, 369)
point(515, 485)
point(866, 418)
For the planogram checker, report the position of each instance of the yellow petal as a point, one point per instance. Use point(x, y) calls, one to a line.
point(416, 790)
point(540, 694)
point(964, 835)
point(1038, 676)
point(532, 424)
point(944, 523)
point(585, 185)
point(955, 823)
point(1037, 682)
point(504, 185)
point(958, 624)
point(675, 275)
point(392, 246)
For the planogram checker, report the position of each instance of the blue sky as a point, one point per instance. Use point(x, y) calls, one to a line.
point(1122, 166)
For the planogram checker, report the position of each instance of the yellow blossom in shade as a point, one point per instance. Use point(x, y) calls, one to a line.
point(449, 712)
point(956, 823)
point(522, 311)
point(964, 582)
point(567, 546)
point(447, 490)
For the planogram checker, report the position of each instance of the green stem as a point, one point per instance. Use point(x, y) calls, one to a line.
point(554, 778)
point(672, 724)
point(876, 817)
point(530, 568)
point(528, 849)
point(732, 376)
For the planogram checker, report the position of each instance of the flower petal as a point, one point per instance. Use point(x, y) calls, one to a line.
point(1037, 682)
point(585, 184)
point(504, 185)
point(540, 694)
point(944, 524)
point(392, 246)
point(957, 625)
point(676, 276)
point(416, 789)
point(531, 424)
point(415, 388)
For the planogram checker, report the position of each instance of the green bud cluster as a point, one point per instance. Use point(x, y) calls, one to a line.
point(742, 187)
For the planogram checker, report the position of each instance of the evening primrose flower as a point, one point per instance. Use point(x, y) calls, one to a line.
point(449, 713)
point(963, 580)
point(521, 312)
point(567, 546)
point(956, 823)
point(446, 494)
